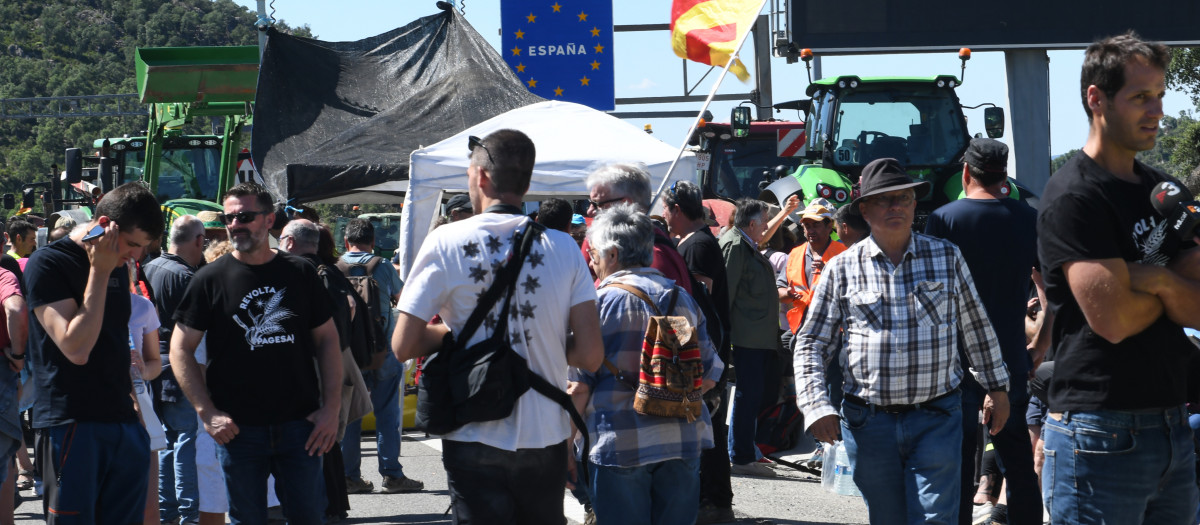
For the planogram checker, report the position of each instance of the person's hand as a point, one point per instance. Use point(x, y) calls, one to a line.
point(104, 252)
point(220, 426)
point(13, 364)
point(791, 204)
point(1146, 278)
point(324, 433)
point(995, 411)
point(827, 429)
point(706, 385)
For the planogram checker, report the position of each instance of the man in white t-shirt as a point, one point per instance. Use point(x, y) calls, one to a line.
point(510, 470)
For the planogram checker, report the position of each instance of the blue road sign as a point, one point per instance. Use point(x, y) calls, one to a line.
point(561, 49)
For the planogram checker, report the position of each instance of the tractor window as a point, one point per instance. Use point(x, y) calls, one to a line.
point(189, 173)
point(740, 165)
point(916, 126)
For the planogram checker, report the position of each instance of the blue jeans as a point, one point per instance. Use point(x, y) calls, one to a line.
point(750, 365)
point(662, 493)
point(1014, 454)
point(384, 385)
point(1120, 467)
point(178, 494)
point(273, 449)
point(102, 472)
point(906, 465)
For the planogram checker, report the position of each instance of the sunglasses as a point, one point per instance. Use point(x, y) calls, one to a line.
point(476, 142)
point(600, 205)
point(241, 216)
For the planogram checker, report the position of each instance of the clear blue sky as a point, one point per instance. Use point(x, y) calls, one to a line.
point(646, 66)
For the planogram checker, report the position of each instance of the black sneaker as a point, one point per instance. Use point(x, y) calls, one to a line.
point(393, 485)
point(359, 486)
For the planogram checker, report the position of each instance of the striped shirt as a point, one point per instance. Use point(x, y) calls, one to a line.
point(902, 326)
point(621, 437)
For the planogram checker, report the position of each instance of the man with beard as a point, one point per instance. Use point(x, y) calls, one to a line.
point(266, 316)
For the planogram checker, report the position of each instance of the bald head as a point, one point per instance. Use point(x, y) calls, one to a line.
point(300, 237)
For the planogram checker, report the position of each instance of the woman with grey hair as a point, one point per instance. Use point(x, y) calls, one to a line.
point(644, 469)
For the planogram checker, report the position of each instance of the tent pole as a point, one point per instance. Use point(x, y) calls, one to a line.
point(696, 121)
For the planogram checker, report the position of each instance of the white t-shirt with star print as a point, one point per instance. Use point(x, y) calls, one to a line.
point(457, 263)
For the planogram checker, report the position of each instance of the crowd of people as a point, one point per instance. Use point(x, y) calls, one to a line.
point(223, 377)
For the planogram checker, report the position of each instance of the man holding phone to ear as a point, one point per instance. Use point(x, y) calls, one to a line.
point(78, 291)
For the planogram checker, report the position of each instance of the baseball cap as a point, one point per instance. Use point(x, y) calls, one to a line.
point(456, 202)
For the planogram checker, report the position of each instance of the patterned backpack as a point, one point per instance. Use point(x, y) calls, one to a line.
point(671, 368)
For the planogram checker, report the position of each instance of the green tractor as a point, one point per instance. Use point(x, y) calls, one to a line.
point(850, 121)
point(188, 173)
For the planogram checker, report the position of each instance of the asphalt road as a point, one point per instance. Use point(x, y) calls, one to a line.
point(792, 498)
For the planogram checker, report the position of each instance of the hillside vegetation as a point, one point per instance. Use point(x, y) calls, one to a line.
point(86, 47)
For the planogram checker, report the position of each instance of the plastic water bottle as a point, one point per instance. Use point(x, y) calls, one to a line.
point(139, 386)
point(827, 466)
point(843, 473)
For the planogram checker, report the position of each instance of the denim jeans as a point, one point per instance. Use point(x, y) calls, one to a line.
point(384, 385)
point(750, 365)
point(906, 465)
point(178, 494)
point(1014, 454)
point(662, 493)
point(273, 449)
point(102, 472)
point(1120, 467)
point(490, 485)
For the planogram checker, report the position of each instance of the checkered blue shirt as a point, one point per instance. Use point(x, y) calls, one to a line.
point(898, 326)
point(621, 437)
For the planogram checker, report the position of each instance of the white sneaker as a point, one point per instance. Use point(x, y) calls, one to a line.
point(982, 514)
point(752, 469)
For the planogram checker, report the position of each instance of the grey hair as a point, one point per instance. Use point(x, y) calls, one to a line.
point(626, 180)
point(185, 229)
point(747, 211)
point(304, 233)
point(628, 230)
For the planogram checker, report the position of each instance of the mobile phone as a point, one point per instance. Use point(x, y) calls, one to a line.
point(95, 233)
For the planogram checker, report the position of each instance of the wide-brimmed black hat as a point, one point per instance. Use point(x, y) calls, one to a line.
point(884, 175)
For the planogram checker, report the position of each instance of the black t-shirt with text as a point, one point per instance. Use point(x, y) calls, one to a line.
point(1088, 213)
point(99, 390)
point(258, 321)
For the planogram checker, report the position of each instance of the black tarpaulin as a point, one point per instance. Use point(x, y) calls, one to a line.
point(332, 118)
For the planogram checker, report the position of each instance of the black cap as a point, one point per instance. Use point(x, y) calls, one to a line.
point(884, 175)
point(456, 202)
point(989, 155)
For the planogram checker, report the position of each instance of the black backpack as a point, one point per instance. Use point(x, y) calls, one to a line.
point(370, 356)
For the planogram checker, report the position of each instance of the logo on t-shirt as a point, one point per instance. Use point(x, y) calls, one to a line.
point(261, 306)
point(1148, 236)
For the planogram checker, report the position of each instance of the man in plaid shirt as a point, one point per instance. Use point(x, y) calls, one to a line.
point(898, 303)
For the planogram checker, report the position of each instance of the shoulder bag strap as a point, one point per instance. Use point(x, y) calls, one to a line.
point(637, 293)
point(557, 395)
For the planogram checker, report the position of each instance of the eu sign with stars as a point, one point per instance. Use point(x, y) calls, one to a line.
point(561, 49)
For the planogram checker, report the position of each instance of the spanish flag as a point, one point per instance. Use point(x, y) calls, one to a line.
point(707, 31)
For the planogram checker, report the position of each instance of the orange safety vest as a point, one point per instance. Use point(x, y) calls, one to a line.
point(795, 276)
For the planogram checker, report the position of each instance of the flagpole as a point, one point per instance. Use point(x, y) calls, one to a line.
point(712, 93)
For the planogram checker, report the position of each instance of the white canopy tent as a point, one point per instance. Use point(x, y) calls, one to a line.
point(571, 140)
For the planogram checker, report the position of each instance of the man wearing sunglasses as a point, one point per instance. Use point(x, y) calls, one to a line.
point(616, 183)
point(266, 317)
point(510, 470)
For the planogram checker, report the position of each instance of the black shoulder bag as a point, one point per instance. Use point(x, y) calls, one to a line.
point(461, 385)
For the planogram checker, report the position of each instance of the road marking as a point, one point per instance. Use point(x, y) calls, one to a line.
point(572, 509)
